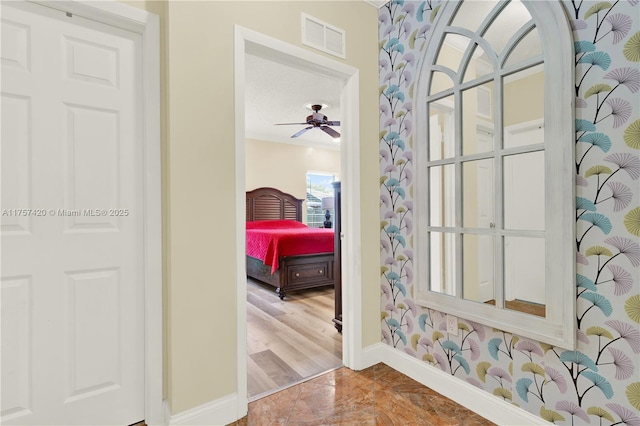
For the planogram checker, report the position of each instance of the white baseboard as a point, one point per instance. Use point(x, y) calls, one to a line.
point(225, 410)
point(465, 394)
point(219, 412)
point(369, 356)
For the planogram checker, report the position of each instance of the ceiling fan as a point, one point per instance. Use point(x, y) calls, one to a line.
point(316, 120)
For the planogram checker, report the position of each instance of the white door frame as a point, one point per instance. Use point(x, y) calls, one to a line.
point(248, 40)
point(146, 24)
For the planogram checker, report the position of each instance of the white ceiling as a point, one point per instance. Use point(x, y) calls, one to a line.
point(277, 93)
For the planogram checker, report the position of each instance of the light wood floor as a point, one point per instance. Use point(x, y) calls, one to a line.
point(289, 341)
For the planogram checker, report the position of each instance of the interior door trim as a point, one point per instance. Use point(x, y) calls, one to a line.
point(246, 39)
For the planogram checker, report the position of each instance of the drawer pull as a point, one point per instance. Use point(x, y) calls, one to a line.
point(297, 274)
point(321, 271)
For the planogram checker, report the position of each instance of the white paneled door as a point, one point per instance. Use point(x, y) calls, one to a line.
point(72, 220)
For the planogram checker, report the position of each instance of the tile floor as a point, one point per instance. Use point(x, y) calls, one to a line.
point(378, 395)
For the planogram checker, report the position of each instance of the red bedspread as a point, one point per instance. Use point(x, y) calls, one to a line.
point(268, 240)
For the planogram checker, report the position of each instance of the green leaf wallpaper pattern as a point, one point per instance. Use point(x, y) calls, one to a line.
point(632, 308)
point(633, 395)
point(632, 48)
point(551, 415)
point(600, 413)
point(632, 135)
point(632, 221)
point(599, 7)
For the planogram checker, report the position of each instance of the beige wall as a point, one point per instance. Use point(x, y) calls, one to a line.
point(285, 166)
point(199, 172)
point(524, 100)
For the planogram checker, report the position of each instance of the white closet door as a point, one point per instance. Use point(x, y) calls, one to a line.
point(72, 266)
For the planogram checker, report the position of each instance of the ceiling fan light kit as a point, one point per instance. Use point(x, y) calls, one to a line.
point(316, 120)
point(311, 105)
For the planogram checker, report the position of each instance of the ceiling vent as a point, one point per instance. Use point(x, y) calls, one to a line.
point(322, 36)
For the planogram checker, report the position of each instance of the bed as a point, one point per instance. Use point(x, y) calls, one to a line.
point(281, 250)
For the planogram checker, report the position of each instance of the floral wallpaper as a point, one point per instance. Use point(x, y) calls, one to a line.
point(599, 382)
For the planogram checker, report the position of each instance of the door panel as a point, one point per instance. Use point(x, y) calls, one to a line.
point(16, 344)
point(72, 231)
point(16, 161)
point(92, 156)
point(486, 216)
point(93, 332)
point(524, 208)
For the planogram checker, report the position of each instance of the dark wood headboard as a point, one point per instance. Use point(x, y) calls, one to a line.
point(272, 204)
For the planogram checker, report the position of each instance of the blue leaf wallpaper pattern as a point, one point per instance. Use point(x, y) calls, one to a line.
point(599, 382)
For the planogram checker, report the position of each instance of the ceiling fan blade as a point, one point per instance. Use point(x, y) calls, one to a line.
point(330, 131)
point(332, 123)
point(301, 131)
point(290, 124)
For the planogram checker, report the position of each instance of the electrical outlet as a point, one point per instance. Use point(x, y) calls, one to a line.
point(452, 324)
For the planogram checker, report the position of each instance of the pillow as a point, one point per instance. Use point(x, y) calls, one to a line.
point(275, 224)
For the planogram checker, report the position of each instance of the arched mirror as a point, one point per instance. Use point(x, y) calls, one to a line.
point(494, 154)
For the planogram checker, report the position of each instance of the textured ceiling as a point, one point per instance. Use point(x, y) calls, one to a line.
point(277, 93)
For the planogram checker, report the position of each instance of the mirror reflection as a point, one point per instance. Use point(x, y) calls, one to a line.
point(495, 178)
point(509, 21)
point(480, 66)
point(443, 275)
point(524, 271)
point(477, 113)
point(472, 17)
point(528, 48)
point(441, 129)
point(442, 200)
point(451, 51)
point(524, 191)
point(524, 107)
point(478, 195)
point(478, 268)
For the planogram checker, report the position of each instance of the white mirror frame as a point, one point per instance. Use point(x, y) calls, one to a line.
point(558, 328)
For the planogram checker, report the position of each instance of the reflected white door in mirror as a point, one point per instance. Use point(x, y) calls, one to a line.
point(495, 187)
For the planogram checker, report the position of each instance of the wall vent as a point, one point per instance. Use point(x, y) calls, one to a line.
point(322, 36)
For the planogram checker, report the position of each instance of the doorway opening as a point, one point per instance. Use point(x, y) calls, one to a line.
point(293, 339)
point(250, 42)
